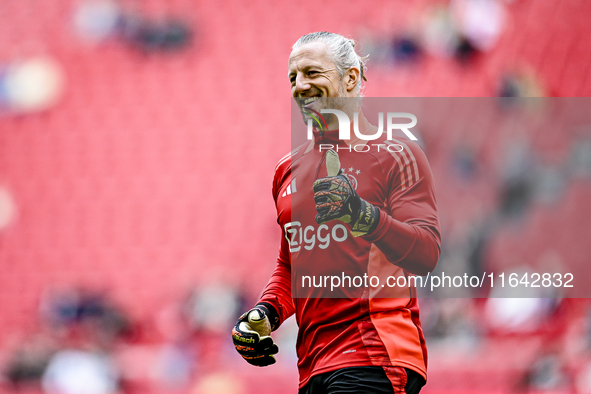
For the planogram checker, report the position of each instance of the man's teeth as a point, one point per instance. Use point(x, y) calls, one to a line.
point(310, 100)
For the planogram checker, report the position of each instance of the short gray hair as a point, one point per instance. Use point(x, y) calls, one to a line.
point(341, 50)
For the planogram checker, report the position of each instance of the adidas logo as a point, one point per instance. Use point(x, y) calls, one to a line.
point(291, 188)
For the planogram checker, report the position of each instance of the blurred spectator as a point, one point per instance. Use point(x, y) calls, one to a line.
point(440, 32)
point(580, 154)
point(518, 315)
point(213, 307)
point(26, 366)
point(452, 319)
point(99, 20)
point(73, 353)
point(509, 86)
point(72, 371)
point(406, 49)
point(520, 83)
point(168, 34)
point(465, 51)
point(463, 29)
point(480, 22)
point(89, 312)
point(30, 85)
point(465, 161)
point(516, 190)
point(550, 183)
point(547, 373)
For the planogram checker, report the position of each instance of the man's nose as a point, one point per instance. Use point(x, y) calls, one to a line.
point(301, 85)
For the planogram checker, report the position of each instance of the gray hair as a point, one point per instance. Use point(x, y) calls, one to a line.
point(341, 50)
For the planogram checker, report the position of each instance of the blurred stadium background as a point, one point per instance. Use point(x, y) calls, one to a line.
point(137, 144)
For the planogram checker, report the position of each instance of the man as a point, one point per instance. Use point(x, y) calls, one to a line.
point(376, 212)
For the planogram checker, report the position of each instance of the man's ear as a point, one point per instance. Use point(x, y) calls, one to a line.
point(352, 78)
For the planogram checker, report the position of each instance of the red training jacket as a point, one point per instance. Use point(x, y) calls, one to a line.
point(355, 325)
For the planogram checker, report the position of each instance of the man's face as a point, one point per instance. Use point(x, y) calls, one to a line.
point(314, 76)
point(312, 73)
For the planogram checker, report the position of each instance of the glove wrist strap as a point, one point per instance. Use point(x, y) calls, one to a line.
point(367, 220)
point(271, 313)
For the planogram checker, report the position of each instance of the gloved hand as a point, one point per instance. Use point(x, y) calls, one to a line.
point(251, 337)
point(335, 198)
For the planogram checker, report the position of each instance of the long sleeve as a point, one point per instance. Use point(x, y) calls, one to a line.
point(277, 293)
point(408, 232)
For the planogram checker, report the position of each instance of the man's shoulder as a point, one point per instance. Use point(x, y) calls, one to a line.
point(397, 149)
point(283, 169)
point(284, 164)
point(398, 143)
point(403, 156)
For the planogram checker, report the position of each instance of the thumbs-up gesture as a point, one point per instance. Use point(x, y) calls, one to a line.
point(335, 198)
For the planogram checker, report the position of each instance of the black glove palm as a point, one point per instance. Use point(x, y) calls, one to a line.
point(251, 338)
point(335, 198)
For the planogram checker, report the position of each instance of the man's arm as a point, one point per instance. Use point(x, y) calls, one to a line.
point(413, 247)
point(408, 230)
point(251, 334)
point(277, 294)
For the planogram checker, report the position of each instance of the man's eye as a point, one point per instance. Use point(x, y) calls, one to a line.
point(312, 72)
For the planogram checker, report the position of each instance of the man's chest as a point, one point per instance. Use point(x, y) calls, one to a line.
point(295, 203)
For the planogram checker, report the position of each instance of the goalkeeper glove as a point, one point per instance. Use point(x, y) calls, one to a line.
point(335, 198)
point(251, 337)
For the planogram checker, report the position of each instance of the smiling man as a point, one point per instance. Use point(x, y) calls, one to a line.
point(350, 213)
point(318, 80)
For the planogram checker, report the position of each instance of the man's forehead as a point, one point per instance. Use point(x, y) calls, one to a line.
point(313, 53)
